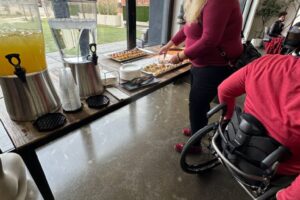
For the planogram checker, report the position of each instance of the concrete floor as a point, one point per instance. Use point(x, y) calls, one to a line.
point(129, 155)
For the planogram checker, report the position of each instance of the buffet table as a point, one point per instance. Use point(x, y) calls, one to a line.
point(23, 138)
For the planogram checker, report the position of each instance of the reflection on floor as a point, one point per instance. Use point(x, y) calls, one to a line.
point(129, 155)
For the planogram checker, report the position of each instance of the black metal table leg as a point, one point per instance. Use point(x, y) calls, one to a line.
point(34, 166)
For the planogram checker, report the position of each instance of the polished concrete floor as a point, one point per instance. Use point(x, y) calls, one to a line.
point(129, 155)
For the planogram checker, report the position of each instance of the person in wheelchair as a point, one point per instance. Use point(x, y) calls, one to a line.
point(272, 87)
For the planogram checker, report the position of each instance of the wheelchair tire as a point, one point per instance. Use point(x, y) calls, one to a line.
point(202, 167)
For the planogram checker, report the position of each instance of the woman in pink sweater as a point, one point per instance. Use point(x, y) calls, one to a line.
point(212, 26)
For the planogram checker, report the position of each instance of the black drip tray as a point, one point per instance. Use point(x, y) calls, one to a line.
point(50, 122)
point(98, 101)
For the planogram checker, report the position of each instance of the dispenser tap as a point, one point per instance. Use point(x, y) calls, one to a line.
point(93, 49)
point(19, 71)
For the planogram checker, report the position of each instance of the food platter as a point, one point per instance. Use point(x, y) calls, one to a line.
point(127, 55)
point(157, 66)
point(158, 69)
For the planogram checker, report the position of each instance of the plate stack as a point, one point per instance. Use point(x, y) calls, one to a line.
point(129, 72)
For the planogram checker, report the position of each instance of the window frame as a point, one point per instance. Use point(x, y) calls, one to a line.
point(165, 23)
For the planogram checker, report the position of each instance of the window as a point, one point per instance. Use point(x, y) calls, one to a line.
point(242, 4)
point(150, 28)
point(247, 5)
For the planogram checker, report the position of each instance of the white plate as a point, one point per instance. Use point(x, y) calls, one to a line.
point(130, 71)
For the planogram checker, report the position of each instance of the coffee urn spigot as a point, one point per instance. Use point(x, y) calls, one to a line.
point(93, 49)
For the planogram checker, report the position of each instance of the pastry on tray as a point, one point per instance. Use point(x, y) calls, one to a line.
point(128, 54)
point(157, 69)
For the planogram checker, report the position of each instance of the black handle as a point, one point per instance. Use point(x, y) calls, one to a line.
point(216, 109)
point(19, 71)
point(10, 57)
point(93, 49)
point(275, 156)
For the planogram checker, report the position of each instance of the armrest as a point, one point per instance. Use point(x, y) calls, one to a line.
point(216, 109)
point(275, 156)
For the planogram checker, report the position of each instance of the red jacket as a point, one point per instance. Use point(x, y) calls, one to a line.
point(220, 27)
point(274, 46)
point(272, 87)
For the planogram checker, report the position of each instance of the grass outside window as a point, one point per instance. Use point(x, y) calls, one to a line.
point(105, 34)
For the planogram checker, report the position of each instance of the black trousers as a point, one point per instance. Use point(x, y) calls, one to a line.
point(204, 85)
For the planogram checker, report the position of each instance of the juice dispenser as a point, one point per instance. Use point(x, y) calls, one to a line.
point(25, 82)
point(74, 24)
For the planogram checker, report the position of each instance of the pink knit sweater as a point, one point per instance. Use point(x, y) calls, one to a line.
point(219, 27)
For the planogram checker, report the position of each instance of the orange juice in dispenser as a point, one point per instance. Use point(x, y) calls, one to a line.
point(29, 45)
point(27, 88)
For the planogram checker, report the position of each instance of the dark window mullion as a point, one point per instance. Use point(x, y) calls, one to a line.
point(247, 16)
point(167, 20)
point(131, 23)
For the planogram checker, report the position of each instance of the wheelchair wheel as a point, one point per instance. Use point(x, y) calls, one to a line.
point(206, 165)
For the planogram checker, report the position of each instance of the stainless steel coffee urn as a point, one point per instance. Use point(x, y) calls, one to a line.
point(74, 24)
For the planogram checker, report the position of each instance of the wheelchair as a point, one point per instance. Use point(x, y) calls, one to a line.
point(246, 151)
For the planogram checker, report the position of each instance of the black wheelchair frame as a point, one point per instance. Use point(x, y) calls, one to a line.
point(269, 182)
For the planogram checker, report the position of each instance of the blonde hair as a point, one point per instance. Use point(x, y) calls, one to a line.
point(193, 9)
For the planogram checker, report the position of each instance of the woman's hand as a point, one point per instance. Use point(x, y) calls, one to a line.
point(178, 58)
point(164, 49)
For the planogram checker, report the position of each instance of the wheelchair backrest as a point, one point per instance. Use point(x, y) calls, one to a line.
point(248, 146)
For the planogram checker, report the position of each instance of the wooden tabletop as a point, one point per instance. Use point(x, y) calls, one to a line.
point(17, 135)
